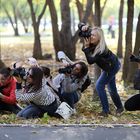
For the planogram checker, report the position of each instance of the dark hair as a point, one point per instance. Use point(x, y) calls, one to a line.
point(84, 69)
point(6, 72)
point(37, 76)
point(46, 71)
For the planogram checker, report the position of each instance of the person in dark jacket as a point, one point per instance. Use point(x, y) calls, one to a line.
point(7, 91)
point(96, 51)
point(133, 103)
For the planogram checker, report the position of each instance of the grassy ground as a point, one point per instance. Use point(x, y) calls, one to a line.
point(19, 48)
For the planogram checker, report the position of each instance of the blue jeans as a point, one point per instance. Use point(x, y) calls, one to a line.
point(37, 111)
point(108, 78)
point(70, 98)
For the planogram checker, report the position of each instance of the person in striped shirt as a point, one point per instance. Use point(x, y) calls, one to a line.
point(38, 95)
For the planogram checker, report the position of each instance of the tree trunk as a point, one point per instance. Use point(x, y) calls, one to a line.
point(97, 13)
point(13, 23)
point(80, 9)
point(65, 34)
point(55, 30)
point(97, 21)
point(120, 39)
point(128, 47)
point(133, 66)
point(37, 50)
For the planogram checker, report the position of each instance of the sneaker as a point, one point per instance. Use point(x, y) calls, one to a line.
point(119, 111)
point(104, 114)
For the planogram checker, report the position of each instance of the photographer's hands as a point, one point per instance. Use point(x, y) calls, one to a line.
point(87, 42)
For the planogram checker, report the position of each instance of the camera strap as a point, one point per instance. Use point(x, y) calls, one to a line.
point(52, 88)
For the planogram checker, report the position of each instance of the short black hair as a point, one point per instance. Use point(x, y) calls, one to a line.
point(6, 72)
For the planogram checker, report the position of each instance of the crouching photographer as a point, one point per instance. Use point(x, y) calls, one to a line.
point(133, 103)
point(70, 80)
point(38, 95)
point(7, 91)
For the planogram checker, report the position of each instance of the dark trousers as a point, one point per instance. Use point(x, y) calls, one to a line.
point(133, 103)
point(69, 98)
point(9, 107)
point(37, 111)
point(108, 78)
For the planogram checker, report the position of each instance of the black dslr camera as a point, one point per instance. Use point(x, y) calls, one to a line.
point(86, 33)
point(134, 58)
point(19, 72)
point(67, 69)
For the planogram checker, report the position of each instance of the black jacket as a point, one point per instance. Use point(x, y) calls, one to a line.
point(137, 80)
point(106, 61)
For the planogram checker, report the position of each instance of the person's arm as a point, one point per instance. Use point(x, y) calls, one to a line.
point(90, 59)
point(11, 99)
point(25, 97)
point(70, 86)
point(56, 81)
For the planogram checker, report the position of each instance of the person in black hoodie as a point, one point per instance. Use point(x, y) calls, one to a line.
point(96, 51)
point(133, 103)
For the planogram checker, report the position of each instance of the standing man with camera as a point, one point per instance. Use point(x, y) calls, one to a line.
point(69, 81)
point(96, 51)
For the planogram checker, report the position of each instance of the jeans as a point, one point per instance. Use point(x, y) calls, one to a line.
point(70, 98)
point(9, 107)
point(37, 111)
point(108, 78)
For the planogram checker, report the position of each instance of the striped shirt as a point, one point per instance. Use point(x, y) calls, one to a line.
point(44, 96)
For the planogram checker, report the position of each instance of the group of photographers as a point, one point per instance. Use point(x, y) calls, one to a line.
point(42, 93)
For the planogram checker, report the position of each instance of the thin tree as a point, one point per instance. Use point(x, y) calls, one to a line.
point(37, 50)
point(120, 38)
point(63, 39)
point(10, 8)
point(133, 66)
point(128, 47)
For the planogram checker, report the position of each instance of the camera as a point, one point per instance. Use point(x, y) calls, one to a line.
point(20, 72)
point(67, 69)
point(86, 33)
point(134, 58)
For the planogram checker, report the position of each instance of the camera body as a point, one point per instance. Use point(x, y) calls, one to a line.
point(20, 72)
point(86, 33)
point(67, 69)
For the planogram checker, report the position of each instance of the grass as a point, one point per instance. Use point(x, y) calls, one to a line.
point(19, 48)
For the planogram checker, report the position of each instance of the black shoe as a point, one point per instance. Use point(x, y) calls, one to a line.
point(119, 111)
point(104, 114)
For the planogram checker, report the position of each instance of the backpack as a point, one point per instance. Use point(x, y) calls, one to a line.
point(86, 84)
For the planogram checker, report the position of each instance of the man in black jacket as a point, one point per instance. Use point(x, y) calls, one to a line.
point(133, 103)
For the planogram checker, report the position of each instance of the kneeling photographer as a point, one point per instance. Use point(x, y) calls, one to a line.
point(133, 103)
point(70, 79)
point(7, 91)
